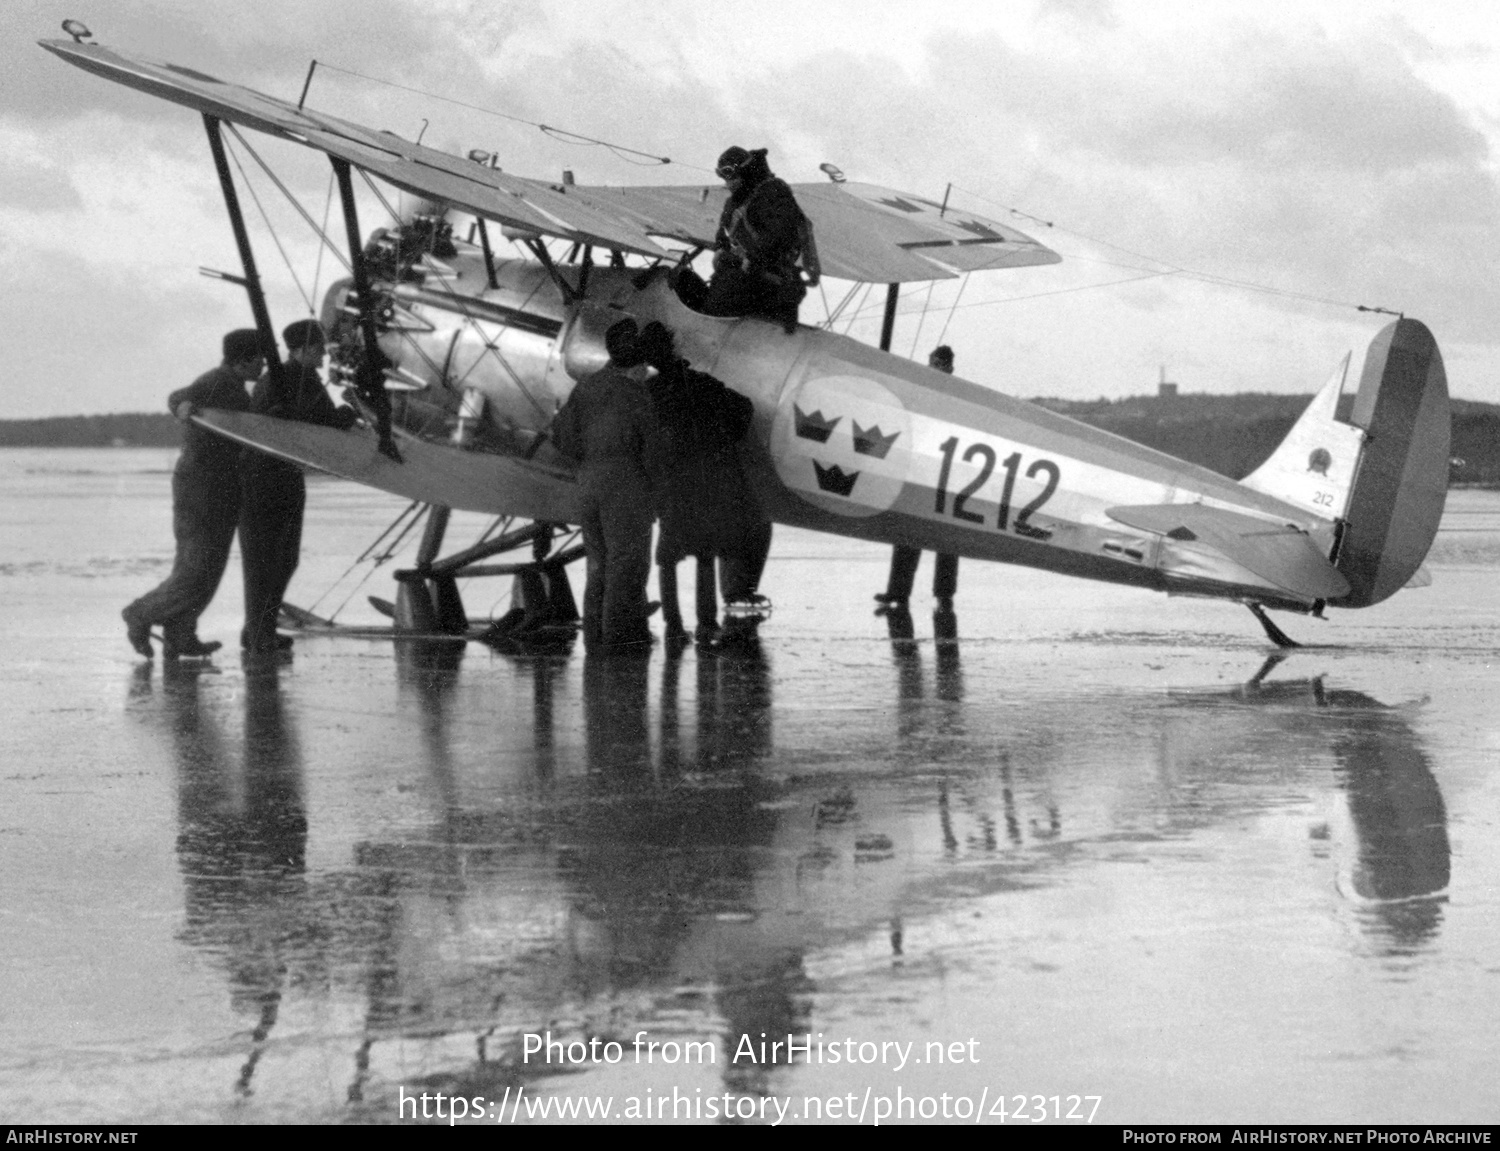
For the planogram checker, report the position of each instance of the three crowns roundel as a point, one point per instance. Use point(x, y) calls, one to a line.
point(843, 443)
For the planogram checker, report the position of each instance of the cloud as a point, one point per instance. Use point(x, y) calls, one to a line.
point(1096, 13)
point(103, 339)
point(1326, 167)
point(266, 45)
point(37, 187)
point(1256, 148)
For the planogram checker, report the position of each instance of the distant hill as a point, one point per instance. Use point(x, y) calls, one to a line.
point(1230, 434)
point(1234, 434)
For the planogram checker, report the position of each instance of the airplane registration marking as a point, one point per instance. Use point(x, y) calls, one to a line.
point(988, 455)
point(1012, 465)
point(848, 445)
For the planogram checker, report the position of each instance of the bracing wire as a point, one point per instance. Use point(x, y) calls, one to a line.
point(837, 310)
point(1067, 291)
point(867, 309)
point(327, 208)
point(321, 233)
point(964, 283)
point(562, 135)
point(384, 203)
point(380, 560)
point(921, 318)
point(416, 510)
point(858, 309)
point(266, 219)
point(1171, 269)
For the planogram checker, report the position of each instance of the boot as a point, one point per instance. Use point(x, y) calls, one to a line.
point(278, 642)
point(138, 632)
point(188, 647)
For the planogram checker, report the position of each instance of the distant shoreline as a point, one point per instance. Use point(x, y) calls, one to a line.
point(125, 430)
point(1229, 434)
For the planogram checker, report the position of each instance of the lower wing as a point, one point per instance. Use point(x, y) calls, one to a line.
point(431, 473)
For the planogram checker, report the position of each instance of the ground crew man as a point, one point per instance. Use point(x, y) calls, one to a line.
point(608, 427)
point(707, 507)
point(205, 507)
point(762, 237)
point(275, 493)
point(904, 560)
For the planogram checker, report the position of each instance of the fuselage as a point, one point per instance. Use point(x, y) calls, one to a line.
point(847, 439)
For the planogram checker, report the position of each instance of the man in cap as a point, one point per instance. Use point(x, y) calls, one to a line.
point(904, 560)
point(205, 507)
point(763, 236)
point(608, 427)
point(275, 492)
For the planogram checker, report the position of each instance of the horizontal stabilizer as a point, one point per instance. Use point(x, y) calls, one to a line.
point(431, 473)
point(1279, 553)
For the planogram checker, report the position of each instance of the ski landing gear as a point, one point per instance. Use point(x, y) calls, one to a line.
point(543, 616)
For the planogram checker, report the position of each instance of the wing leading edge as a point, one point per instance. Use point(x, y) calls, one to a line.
point(431, 473)
point(864, 232)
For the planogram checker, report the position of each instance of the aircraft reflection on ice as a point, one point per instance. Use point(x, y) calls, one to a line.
point(1399, 866)
point(677, 871)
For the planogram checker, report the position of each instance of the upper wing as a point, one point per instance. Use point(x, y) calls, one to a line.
point(864, 232)
point(871, 233)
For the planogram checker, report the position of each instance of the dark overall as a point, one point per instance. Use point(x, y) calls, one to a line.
point(609, 428)
point(759, 241)
point(708, 509)
point(205, 511)
point(275, 495)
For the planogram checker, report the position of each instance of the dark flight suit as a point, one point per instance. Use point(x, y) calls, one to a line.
point(608, 426)
point(904, 561)
point(708, 509)
point(758, 244)
point(205, 510)
point(274, 497)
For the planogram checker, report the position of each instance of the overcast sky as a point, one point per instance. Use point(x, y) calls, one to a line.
point(1340, 154)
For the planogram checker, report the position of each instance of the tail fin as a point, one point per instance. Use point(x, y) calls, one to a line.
point(1402, 482)
point(1314, 467)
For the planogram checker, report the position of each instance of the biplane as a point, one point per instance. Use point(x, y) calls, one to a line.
point(460, 359)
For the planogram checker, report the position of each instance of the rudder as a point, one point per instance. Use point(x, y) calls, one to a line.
point(1402, 482)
